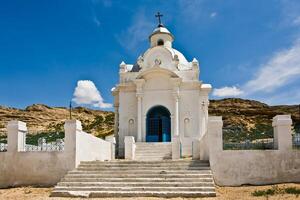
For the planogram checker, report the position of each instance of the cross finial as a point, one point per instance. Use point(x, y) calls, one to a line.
point(158, 15)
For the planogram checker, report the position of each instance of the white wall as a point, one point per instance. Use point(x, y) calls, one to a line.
point(127, 111)
point(18, 167)
point(256, 167)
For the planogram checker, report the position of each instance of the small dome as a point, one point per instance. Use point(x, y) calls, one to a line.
point(161, 36)
point(161, 30)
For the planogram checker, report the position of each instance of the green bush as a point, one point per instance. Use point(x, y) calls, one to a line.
point(292, 190)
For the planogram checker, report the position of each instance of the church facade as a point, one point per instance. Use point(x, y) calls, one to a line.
point(160, 97)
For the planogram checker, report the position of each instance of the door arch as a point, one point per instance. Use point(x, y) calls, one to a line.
point(158, 124)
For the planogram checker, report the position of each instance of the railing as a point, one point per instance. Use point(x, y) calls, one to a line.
point(249, 145)
point(3, 147)
point(296, 141)
point(58, 145)
point(258, 138)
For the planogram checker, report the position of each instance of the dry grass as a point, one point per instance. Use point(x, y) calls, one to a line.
point(223, 193)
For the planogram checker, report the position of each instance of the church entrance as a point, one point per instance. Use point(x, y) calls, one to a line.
point(158, 125)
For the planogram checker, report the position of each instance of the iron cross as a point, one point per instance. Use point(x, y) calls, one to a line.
point(158, 15)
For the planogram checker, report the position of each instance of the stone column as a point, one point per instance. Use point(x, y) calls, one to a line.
point(176, 148)
point(116, 128)
point(282, 132)
point(139, 119)
point(71, 128)
point(112, 141)
point(176, 94)
point(215, 137)
point(139, 94)
point(176, 115)
point(16, 136)
point(129, 148)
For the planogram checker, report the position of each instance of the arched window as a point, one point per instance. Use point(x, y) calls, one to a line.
point(160, 42)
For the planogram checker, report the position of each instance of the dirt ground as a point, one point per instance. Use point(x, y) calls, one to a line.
point(228, 193)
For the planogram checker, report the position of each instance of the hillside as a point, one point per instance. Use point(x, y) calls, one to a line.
point(248, 118)
point(42, 118)
point(240, 116)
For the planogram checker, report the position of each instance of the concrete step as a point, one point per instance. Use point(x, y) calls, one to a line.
point(164, 178)
point(153, 151)
point(142, 172)
point(211, 189)
point(107, 194)
point(173, 162)
point(136, 176)
point(136, 184)
point(141, 164)
point(135, 179)
point(125, 169)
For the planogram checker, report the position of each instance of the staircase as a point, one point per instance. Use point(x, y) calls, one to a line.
point(121, 178)
point(153, 151)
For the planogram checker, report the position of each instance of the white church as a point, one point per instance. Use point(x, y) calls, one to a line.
point(161, 117)
point(160, 97)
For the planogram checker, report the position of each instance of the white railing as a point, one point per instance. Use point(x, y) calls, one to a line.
point(3, 147)
point(296, 141)
point(43, 146)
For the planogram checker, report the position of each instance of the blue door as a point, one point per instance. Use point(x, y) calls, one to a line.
point(158, 125)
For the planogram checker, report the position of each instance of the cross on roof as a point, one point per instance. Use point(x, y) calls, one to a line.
point(158, 15)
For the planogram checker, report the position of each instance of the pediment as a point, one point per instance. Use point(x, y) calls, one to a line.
point(157, 71)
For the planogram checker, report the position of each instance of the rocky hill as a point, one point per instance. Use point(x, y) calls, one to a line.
point(249, 119)
point(241, 118)
point(42, 118)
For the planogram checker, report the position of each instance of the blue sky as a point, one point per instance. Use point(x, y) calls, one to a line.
point(248, 49)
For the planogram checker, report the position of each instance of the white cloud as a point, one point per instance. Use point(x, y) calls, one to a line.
point(191, 10)
point(213, 14)
point(296, 21)
point(87, 93)
point(227, 92)
point(137, 32)
point(281, 69)
point(96, 20)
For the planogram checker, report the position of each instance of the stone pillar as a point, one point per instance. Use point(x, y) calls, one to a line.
point(139, 94)
point(176, 94)
point(282, 132)
point(112, 141)
point(176, 148)
point(71, 128)
point(129, 148)
point(176, 116)
point(116, 128)
point(196, 149)
point(139, 119)
point(215, 137)
point(16, 136)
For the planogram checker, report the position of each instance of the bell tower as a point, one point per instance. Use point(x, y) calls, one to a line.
point(161, 36)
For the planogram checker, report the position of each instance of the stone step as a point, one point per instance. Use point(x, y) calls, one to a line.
point(135, 179)
point(173, 162)
point(142, 172)
point(125, 169)
point(153, 148)
point(59, 188)
point(153, 143)
point(135, 184)
point(153, 153)
point(145, 165)
point(84, 175)
point(164, 178)
point(107, 194)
